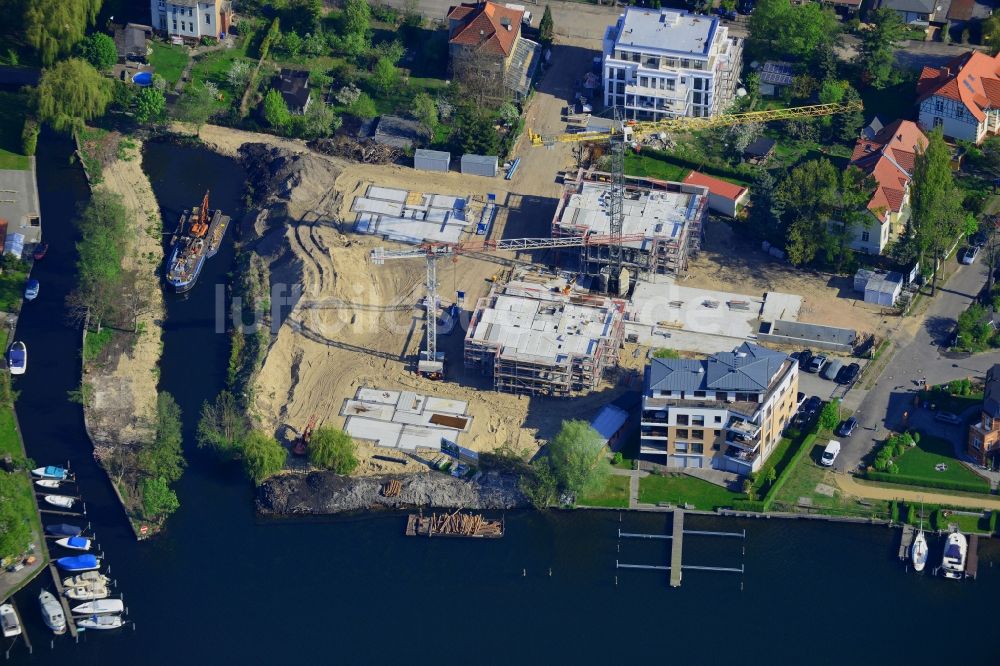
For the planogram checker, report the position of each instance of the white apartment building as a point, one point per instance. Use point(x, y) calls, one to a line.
point(667, 63)
point(192, 19)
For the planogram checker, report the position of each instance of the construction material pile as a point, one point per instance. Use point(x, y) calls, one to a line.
point(366, 151)
point(455, 524)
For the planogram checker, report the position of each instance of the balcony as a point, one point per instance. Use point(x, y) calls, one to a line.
point(745, 457)
point(743, 434)
point(657, 433)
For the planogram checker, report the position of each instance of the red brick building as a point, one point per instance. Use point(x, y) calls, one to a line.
point(984, 435)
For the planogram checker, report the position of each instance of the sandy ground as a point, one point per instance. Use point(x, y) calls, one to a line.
point(129, 388)
point(851, 486)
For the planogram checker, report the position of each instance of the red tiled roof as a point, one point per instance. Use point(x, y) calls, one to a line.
point(716, 186)
point(489, 27)
point(889, 157)
point(972, 78)
point(961, 10)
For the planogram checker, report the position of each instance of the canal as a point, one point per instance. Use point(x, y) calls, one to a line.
point(221, 586)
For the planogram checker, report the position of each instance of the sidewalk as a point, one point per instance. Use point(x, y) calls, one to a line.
point(852, 486)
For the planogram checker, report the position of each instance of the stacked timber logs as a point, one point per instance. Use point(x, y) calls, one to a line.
point(392, 488)
point(366, 151)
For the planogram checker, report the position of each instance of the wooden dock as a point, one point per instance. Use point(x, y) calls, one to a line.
point(676, 549)
point(70, 624)
point(906, 542)
point(972, 563)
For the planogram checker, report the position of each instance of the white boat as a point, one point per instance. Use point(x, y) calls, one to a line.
point(17, 358)
point(955, 550)
point(51, 484)
point(52, 612)
point(51, 472)
point(100, 607)
point(61, 501)
point(74, 543)
point(87, 592)
point(100, 622)
point(9, 621)
point(918, 551)
point(86, 578)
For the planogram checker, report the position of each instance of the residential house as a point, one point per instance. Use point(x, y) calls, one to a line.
point(962, 97)
point(724, 197)
point(962, 14)
point(915, 12)
point(668, 63)
point(726, 412)
point(775, 76)
point(887, 154)
point(293, 84)
point(131, 41)
point(192, 19)
point(760, 150)
point(984, 435)
point(487, 52)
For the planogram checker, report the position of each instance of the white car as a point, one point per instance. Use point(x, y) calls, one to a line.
point(969, 254)
point(830, 453)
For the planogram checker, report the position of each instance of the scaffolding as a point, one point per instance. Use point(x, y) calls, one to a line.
point(534, 341)
point(669, 216)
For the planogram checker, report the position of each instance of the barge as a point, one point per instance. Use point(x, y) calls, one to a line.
point(456, 524)
point(198, 237)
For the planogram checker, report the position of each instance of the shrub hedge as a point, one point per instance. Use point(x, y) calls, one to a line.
point(907, 480)
point(804, 446)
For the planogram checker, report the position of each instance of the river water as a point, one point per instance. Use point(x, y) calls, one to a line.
point(221, 586)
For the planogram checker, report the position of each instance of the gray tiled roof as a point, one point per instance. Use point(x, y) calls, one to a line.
point(749, 367)
point(913, 6)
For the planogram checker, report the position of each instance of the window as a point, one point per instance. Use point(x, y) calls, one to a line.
point(718, 419)
point(653, 62)
point(682, 419)
point(697, 98)
point(698, 420)
point(699, 394)
point(644, 81)
point(620, 88)
point(680, 447)
point(697, 448)
point(698, 83)
point(977, 443)
point(721, 395)
point(697, 434)
point(620, 74)
point(988, 422)
point(682, 433)
point(685, 62)
point(865, 236)
point(938, 106)
point(671, 84)
point(938, 121)
point(959, 112)
point(208, 18)
point(190, 11)
point(175, 25)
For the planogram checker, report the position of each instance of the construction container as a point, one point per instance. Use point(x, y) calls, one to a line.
point(480, 165)
point(431, 160)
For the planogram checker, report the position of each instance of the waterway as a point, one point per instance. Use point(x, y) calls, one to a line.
point(221, 586)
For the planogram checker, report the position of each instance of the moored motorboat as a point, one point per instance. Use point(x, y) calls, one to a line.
point(63, 529)
point(52, 612)
point(87, 592)
point(85, 579)
point(62, 501)
point(918, 551)
point(51, 484)
point(197, 238)
point(74, 543)
point(78, 563)
point(51, 472)
point(955, 550)
point(31, 290)
point(40, 251)
point(100, 607)
point(17, 358)
point(9, 621)
point(100, 622)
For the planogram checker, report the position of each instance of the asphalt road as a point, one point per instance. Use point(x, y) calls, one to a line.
point(917, 357)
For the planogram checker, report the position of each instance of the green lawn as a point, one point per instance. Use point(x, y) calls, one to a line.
point(12, 289)
point(650, 167)
point(629, 451)
point(12, 110)
point(956, 404)
point(615, 494)
point(169, 60)
point(95, 342)
point(681, 489)
point(966, 523)
point(802, 483)
point(919, 462)
point(215, 67)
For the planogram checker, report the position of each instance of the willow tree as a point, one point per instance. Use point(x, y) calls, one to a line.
point(72, 92)
point(54, 27)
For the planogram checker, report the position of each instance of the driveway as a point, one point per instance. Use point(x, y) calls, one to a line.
point(917, 357)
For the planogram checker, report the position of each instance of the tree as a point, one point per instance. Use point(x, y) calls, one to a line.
point(103, 237)
point(158, 500)
point(876, 55)
point(539, 484)
point(363, 107)
point(333, 449)
point(935, 203)
point(99, 50)
point(847, 126)
point(576, 455)
point(148, 105)
point(829, 417)
point(356, 19)
point(263, 456)
point(164, 457)
point(223, 426)
point(302, 16)
point(195, 106)
point(319, 120)
point(991, 33)
point(239, 74)
point(809, 195)
point(276, 111)
point(15, 508)
point(54, 27)
point(70, 93)
point(424, 109)
point(546, 27)
point(385, 75)
point(777, 28)
point(475, 132)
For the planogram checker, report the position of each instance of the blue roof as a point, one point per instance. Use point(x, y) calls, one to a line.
point(749, 367)
point(609, 421)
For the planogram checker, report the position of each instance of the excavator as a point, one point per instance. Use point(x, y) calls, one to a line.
point(199, 226)
point(302, 444)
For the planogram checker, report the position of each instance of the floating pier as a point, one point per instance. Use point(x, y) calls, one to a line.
point(972, 562)
point(677, 549)
point(906, 542)
point(24, 629)
point(70, 624)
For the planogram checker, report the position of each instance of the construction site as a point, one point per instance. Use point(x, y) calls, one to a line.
point(666, 218)
point(536, 340)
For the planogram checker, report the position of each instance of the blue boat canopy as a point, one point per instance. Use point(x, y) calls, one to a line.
point(55, 472)
point(78, 541)
point(77, 563)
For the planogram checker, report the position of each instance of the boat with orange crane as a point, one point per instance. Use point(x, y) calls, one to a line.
point(197, 238)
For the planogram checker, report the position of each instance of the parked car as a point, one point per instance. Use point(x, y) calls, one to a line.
point(969, 254)
point(948, 417)
point(978, 239)
point(832, 369)
point(805, 357)
point(830, 453)
point(812, 405)
point(848, 373)
point(846, 427)
point(817, 363)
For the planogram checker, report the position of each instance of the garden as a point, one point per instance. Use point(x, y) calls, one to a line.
point(681, 489)
point(613, 495)
point(919, 459)
point(13, 107)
